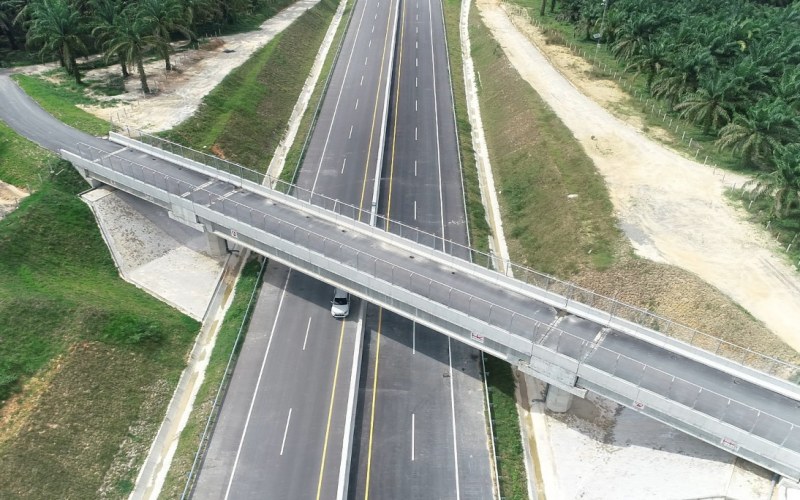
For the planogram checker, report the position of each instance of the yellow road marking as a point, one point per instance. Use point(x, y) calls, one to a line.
point(388, 211)
point(374, 393)
point(396, 104)
point(330, 412)
point(374, 116)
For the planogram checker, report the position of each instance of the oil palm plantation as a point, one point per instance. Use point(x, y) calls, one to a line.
point(782, 184)
point(57, 28)
point(165, 17)
point(107, 20)
point(756, 134)
point(713, 104)
point(133, 38)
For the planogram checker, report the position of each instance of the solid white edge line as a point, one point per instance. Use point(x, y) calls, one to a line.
point(453, 415)
point(286, 430)
point(349, 420)
point(258, 383)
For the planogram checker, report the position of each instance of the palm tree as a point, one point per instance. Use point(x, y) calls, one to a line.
point(133, 39)
point(713, 104)
point(650, 60)
point(781, 184)
point(57, 27)
point(165, 16)
point(682, 73)
point(107, 18)
point(197, 11)
point(8, 14)
point(756, 134)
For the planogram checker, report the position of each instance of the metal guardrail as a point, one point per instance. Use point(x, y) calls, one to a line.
point(570, 291)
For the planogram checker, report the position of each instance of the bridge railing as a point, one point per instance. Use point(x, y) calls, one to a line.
point(572, 293)
point(753, 421)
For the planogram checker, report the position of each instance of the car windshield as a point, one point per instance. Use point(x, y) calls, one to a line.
point(340, 301)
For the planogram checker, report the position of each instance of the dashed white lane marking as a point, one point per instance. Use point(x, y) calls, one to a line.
point(255, 390)
point(416, 82)
point(415, 209)
point(370, 43)
point(308, 328)
point(362, 80)
point(286, 430)
point(365, 60)
point(416, 61)
point(412, 437)
point(373, 28)
point(416, 135)
point(416, 105)
point(344, 162)
point(350, 136)
point(356, 103)
point(415, 168)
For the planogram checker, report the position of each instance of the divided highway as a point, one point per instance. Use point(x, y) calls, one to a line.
point(421, 412)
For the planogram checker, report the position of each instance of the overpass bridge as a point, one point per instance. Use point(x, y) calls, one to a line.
point(577, 341)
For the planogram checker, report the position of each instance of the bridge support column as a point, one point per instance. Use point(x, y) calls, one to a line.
point(216, 245)
point(558, 400)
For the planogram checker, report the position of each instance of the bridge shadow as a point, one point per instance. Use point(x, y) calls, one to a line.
point(615, 427)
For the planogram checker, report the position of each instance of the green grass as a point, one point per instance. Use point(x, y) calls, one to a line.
point(108, 353)
point(556, 209)
point(23, 162)
point(236, 318)
point(510, 453)
point(61, 101)
point(245, 117)
point(478, 226)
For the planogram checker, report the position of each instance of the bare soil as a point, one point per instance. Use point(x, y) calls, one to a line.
point(10, 196)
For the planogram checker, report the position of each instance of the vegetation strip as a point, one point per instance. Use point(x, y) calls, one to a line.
point(197, 433)
point(244, 118)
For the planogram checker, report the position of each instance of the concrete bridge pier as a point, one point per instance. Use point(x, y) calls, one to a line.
point(557, 400)
point(217, 246)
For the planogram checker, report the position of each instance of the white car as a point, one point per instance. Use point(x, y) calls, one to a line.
point(340, 305)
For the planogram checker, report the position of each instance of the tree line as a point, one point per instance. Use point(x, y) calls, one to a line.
point(124, 31)
point(732, 67)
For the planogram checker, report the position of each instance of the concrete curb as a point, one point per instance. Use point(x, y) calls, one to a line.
point(154, 470)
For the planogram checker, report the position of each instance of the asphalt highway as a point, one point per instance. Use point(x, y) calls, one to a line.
point(281, 429)
point(421, 427)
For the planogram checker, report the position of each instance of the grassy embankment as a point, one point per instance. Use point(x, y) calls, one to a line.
point(61, 100)
point(87, 361)
point(537, 164)
point(80, 437)
point(245, 117)
point(282, 67)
